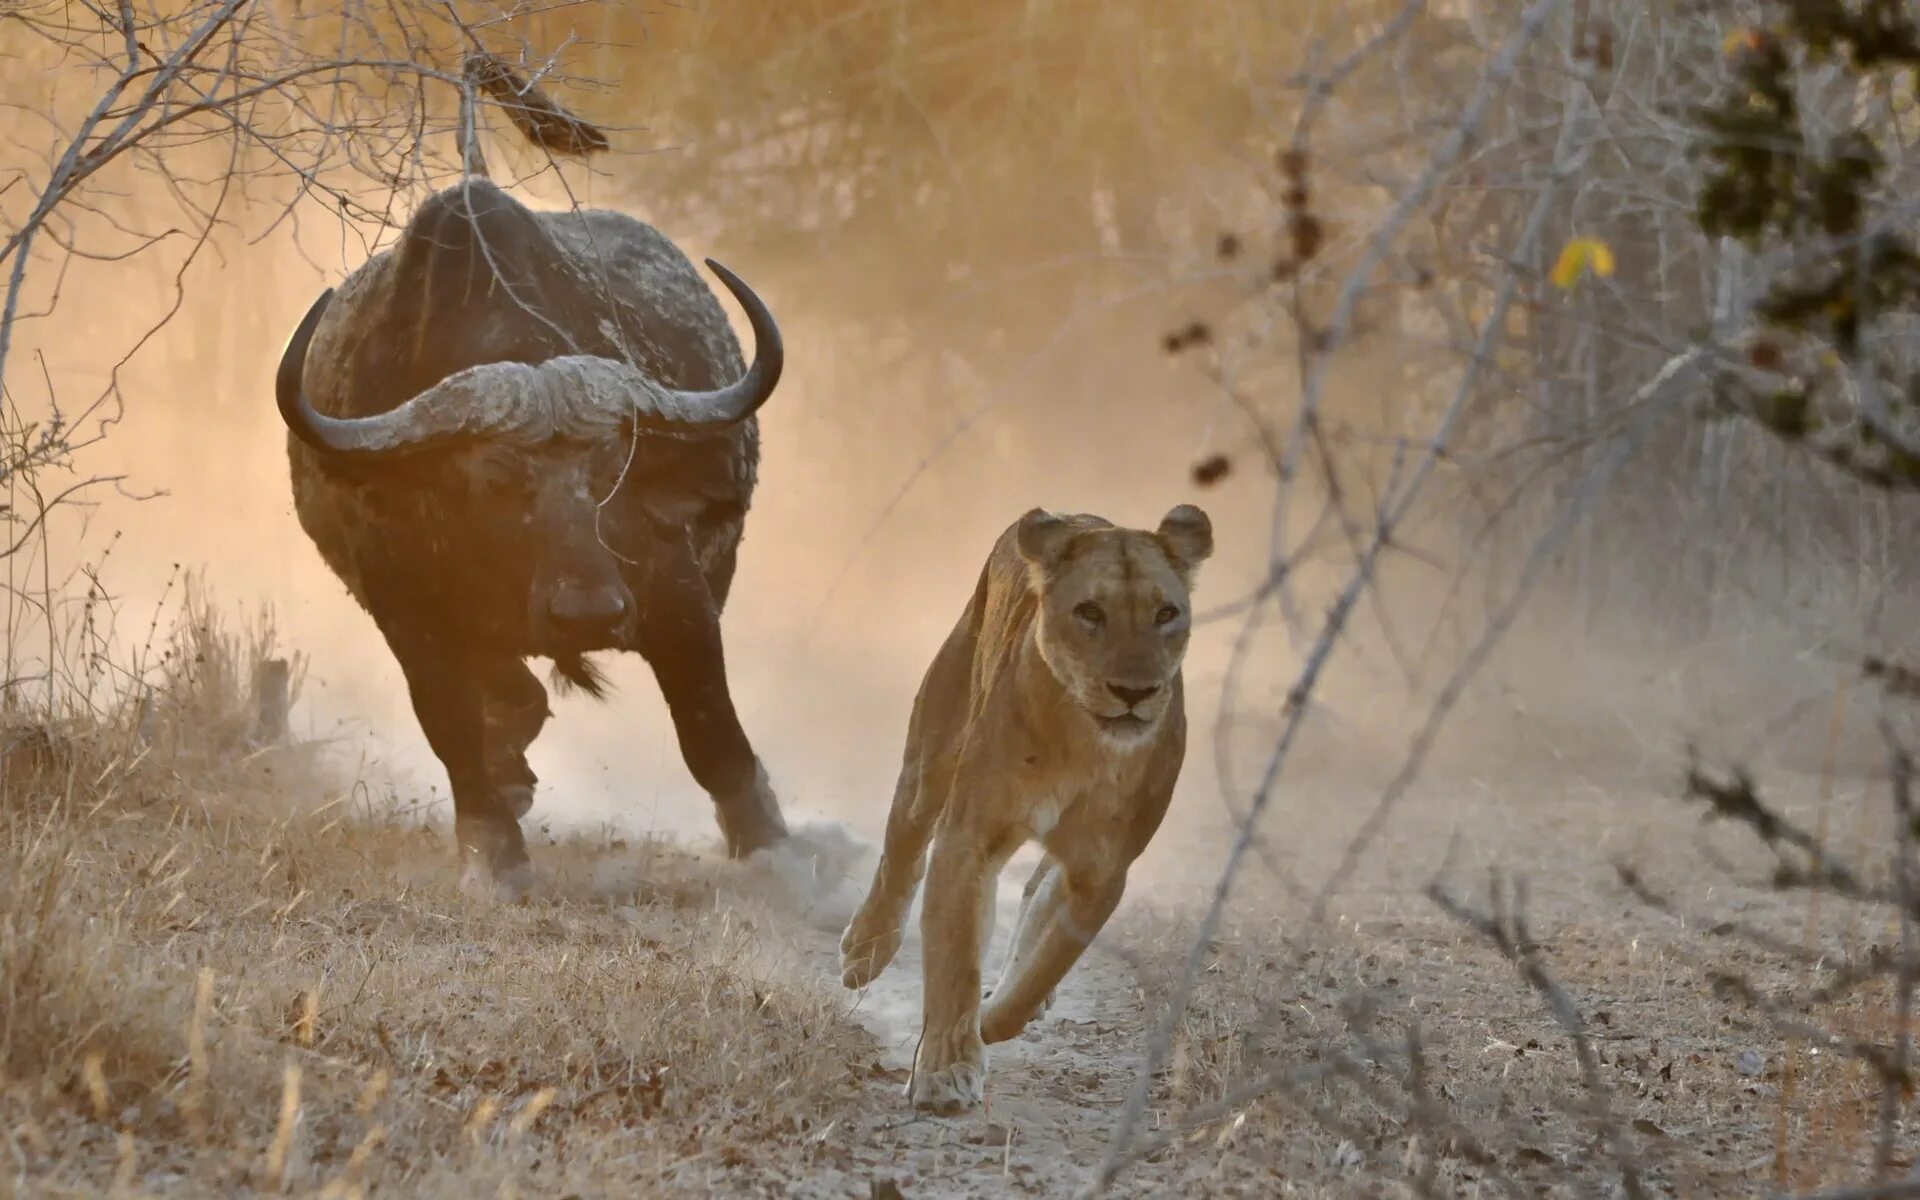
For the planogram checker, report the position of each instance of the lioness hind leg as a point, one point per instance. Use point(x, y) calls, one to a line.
point(1027, 926)
point(1067, 915)
point(873, 936)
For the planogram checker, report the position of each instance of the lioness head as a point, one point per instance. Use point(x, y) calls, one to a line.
point(1114, 610)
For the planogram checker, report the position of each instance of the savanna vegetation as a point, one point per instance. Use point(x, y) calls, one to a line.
point(1548, 368)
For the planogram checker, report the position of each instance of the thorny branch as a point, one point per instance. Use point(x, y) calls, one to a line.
point(1301, 692)
point(1590, 453)
point(1737, 798)
point(1897, 1083)
point(1504, 924)
point(197, 110)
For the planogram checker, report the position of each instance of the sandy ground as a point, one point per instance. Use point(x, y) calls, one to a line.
point(759, 1075)
point(1275, 991)
point(1051, 1093)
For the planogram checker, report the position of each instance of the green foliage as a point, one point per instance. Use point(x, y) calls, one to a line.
point(1851, 271)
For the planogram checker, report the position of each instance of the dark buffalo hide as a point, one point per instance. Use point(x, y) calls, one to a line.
point(476, 550)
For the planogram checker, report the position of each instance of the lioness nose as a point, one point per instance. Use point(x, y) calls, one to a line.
point(1131, 696)
point(587, 613)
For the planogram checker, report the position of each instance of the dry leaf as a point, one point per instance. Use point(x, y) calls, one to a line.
point(1579, 256)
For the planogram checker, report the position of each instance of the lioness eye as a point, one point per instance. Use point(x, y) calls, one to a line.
point(1089, 612)
point(1167, 613)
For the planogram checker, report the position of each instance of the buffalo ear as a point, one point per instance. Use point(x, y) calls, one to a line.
point(1041, 536)
point(1186, 535)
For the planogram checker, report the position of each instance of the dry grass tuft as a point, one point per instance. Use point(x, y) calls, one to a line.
point(207, 988)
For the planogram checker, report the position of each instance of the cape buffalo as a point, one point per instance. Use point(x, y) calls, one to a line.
point(519, 434)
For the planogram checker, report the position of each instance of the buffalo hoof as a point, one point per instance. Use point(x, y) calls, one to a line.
point(511, 886)
point(750, 820)
point(745, 843)
point(519, 798)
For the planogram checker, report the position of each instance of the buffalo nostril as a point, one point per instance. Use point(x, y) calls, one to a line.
point(587, 611)
point(1131, 696)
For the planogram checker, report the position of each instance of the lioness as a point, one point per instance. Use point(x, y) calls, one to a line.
point(1053, 711)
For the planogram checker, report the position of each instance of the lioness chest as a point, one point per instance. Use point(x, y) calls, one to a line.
point(1078, 787)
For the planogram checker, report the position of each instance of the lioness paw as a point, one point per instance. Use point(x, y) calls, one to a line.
point(998, 1024)
point(865, 953)
point(952, 1089)
point(949, 1071)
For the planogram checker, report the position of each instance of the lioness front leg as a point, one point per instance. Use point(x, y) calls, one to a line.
point(1068, 913)
point(1037, 902)
point(950, 1068)
point(873, 936)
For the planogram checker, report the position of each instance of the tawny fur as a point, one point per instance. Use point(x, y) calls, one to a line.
point(1053, 711)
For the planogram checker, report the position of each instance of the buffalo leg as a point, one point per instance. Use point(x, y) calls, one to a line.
point(725, 531)
point(449, 701)
point(516, 710)
point(679, 636)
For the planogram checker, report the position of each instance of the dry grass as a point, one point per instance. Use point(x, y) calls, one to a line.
point(221, 973)
point(1711, 1098)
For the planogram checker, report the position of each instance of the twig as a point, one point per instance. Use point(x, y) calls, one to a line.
point(1505, 926)
point(1898, 1082)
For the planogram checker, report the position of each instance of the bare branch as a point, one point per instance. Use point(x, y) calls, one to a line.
point(1505, 926)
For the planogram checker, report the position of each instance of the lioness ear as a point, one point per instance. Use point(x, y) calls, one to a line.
point(1041, 536)
point(1186, 535)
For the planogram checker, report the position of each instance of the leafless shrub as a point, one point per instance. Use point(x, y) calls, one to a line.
point(1569, 145)
point(168, 125)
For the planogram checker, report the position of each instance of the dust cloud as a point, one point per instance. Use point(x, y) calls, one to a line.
point(880, 495)
point(926, 404)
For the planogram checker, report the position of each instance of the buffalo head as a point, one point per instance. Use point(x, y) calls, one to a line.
point(543, 450)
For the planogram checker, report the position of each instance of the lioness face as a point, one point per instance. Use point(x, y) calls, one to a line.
point(1115, 611)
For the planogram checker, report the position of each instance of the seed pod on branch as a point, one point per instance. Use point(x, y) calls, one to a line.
point(1211, 469)
point(1194, 334)
point(533, 113)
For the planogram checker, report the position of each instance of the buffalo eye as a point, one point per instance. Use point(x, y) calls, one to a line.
point(1167, 613)
point(1090, 612)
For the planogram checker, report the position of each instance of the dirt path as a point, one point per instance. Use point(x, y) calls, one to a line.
point(1052, 1094)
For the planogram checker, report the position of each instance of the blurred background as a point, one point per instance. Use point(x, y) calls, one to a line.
point(980, 226)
